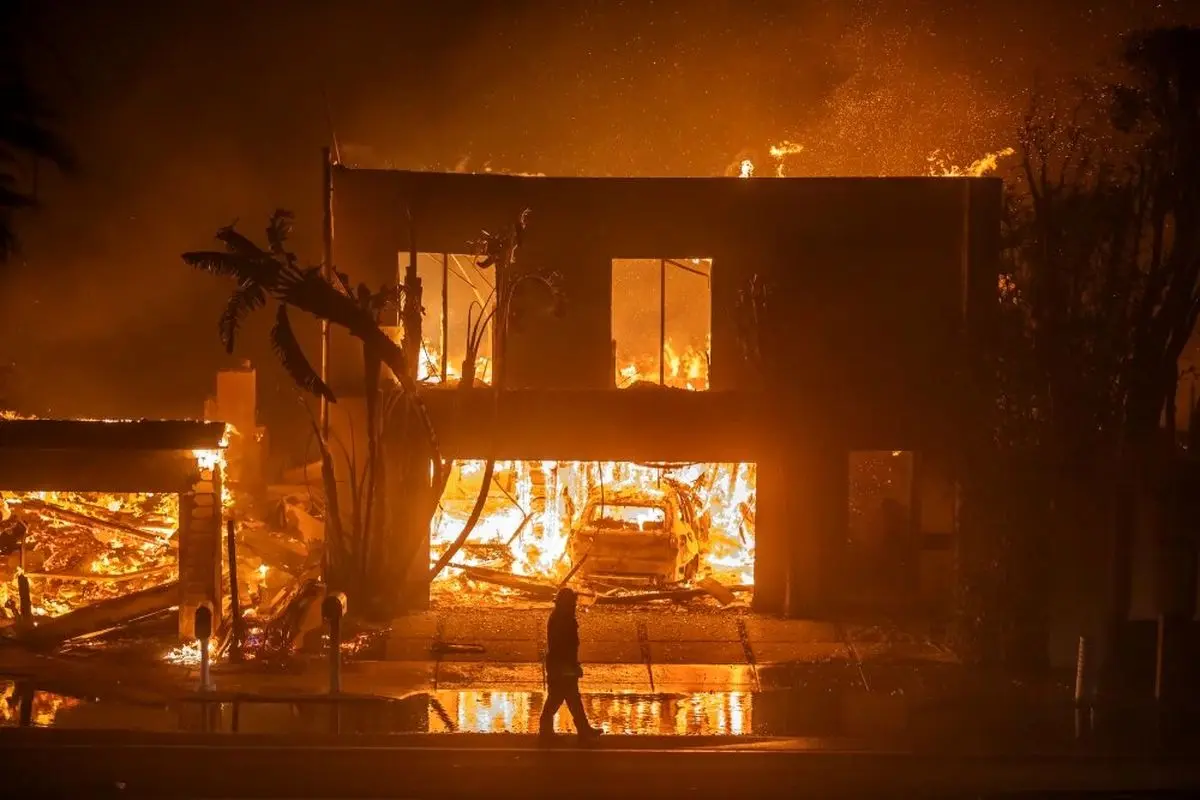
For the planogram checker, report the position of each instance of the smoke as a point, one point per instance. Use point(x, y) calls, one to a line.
point(191, 115)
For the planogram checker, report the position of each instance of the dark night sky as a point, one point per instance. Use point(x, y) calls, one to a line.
point(187, 115)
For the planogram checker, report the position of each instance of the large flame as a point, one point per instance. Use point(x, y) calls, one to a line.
point(527, 522)
point(939, 165)
point(83, 547)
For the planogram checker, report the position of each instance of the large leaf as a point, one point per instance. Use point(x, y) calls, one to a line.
point(309, 291)
point(229, 265)
point(278, 229)
point(291, 355)
point(237, 243)
point(247, 297)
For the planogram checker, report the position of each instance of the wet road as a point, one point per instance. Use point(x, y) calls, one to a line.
point(93, 765)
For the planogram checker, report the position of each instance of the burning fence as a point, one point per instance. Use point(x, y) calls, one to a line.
point(625, 531)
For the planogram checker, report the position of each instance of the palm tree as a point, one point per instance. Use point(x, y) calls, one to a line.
point(274, 273)
point(26, 138)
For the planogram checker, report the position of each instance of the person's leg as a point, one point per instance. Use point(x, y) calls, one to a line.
point(554, 699)
point(575, 706)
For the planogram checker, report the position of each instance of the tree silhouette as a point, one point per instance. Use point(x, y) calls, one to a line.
point(26, 139)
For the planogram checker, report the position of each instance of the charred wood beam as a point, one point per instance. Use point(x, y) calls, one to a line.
point(667, 594)
point(530, 586)
point(87, 519)
point(91, 577)
point(103, 615)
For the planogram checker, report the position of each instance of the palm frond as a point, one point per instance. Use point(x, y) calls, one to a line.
point(237, 243)
point(310, 292)
point(279, 228)
point(291, 356)
point(247, 297)
point(226, 264)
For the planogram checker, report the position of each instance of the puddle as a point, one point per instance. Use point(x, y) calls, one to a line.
point(783, 713)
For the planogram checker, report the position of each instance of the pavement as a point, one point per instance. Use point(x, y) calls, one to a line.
point(659, 640)
point(54, 763)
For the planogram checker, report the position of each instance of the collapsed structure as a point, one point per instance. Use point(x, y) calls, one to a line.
point(879, 292)
point(110, 520)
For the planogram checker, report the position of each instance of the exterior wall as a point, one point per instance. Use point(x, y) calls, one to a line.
point(878, 280)
point(200, 548)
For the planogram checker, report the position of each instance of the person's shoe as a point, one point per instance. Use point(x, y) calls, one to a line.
point(546, 738)
point(590, 734)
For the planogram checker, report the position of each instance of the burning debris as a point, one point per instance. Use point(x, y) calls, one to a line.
point(625, 532)
point(77, 549)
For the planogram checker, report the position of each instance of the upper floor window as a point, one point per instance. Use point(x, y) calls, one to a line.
point(662, 321)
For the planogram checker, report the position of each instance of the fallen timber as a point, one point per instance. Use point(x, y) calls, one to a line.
point(94, 577)
point(99, 522)
point(103, 615)
point(530, 586)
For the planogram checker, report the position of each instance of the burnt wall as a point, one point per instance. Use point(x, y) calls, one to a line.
point(870, 274)
point(883, 288)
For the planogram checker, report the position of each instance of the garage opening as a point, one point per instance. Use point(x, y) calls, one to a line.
point(618, 532)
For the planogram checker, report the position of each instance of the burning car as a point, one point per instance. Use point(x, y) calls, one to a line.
point(639, 535)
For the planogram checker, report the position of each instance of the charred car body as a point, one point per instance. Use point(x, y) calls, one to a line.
point(639, 535)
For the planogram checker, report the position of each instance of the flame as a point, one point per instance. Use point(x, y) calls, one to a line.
point(188, 654)
point(84, 547)
point(981, 166)
point(939, 167)
point(685, 367)
point(526, 525)
point(781, 151)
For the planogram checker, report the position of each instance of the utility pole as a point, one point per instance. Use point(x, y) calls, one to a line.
point(327, 270)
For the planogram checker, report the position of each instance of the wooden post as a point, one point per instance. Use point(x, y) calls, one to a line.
point(235, 605)
point(445, 314)
point(327, 270)
point(411, 320)
point(662, 322)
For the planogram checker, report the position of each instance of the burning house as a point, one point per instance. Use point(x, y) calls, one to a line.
point(631, 427)
point(104, 521)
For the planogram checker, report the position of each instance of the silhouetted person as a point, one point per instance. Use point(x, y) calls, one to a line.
point(562, 667)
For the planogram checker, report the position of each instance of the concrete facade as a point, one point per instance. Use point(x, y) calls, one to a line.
point(881, 286)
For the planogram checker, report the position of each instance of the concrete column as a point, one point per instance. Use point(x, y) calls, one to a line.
point(200, 540)
point(773, 528)
point(820, 500)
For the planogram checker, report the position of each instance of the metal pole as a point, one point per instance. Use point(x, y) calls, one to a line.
point(1081, 672)
point(327, 270)
point(203, 625)
point(235, 604)
point(445, 313)
point(662, 322)
point(1159, 658)
point(332, 609)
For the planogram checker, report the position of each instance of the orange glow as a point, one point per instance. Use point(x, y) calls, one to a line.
point(526, 526)
point(84, 547)
point(620, 713)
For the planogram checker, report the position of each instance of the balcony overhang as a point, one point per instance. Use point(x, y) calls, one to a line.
point(652, 425)
point(101, 456)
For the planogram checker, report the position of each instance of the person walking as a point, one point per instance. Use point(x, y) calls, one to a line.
point(562, 668)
